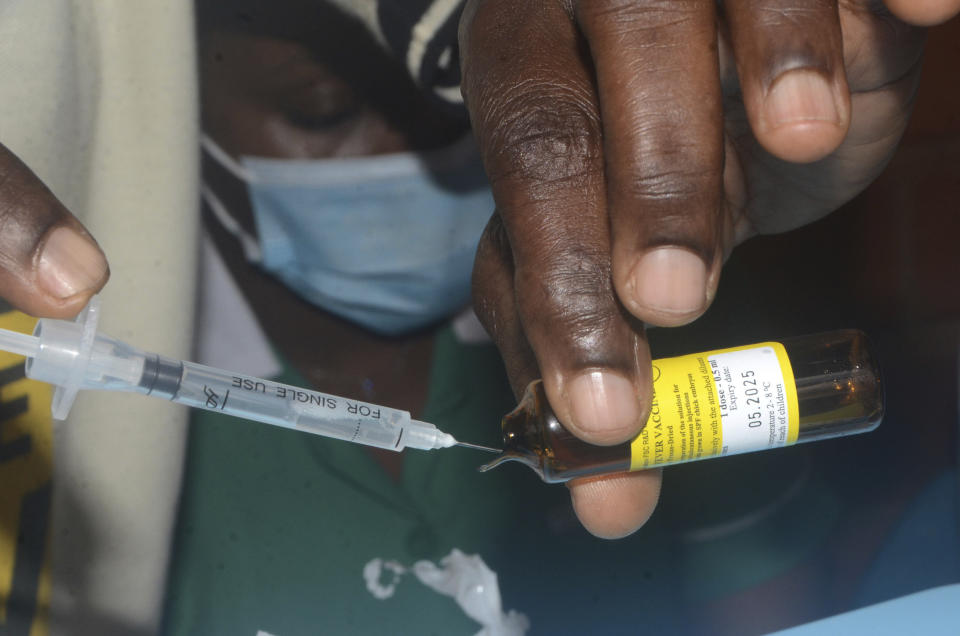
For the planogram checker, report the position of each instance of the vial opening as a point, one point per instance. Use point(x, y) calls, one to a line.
point(511, 456)
point(502, 459)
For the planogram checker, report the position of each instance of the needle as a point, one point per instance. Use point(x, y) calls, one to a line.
point(479, 447)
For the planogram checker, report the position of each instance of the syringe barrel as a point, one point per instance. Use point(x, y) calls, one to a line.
point(73, 356)
point(204, 387)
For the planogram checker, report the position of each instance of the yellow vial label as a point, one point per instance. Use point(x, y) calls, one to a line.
point(720, 402)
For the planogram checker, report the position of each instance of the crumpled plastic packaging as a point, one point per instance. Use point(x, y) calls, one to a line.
point(464, 577)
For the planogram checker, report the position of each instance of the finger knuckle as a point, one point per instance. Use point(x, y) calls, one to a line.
point(676, 169)
point(777, 15)
point(667, 183)
point(539, 136)
point(651, 16)
point(572, 291)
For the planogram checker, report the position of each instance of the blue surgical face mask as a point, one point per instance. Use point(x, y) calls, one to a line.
point(386, 241)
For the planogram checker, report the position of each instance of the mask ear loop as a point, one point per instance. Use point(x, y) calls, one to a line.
point(224, 159)
point(249, 243)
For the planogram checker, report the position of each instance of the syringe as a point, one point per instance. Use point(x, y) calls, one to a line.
point(73, 356)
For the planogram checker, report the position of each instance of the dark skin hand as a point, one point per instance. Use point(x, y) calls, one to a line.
point(631, 145)
point(562, 276)
point(49, 264)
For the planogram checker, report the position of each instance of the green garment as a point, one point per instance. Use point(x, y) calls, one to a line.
point(275, 527)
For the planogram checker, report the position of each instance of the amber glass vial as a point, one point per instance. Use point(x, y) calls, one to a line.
point(838, 391)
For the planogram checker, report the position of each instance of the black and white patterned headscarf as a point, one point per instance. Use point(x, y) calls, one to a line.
point(422, 34)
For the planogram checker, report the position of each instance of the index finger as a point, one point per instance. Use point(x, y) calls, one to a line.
point(540, 135)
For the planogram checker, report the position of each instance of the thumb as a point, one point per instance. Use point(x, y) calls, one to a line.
point(49, 263)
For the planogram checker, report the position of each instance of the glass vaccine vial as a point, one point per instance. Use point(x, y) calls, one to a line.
point(717, 403)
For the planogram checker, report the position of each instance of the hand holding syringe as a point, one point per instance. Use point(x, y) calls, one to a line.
point(73, 356)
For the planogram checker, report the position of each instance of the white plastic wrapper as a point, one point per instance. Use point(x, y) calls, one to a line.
point(466, 578)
